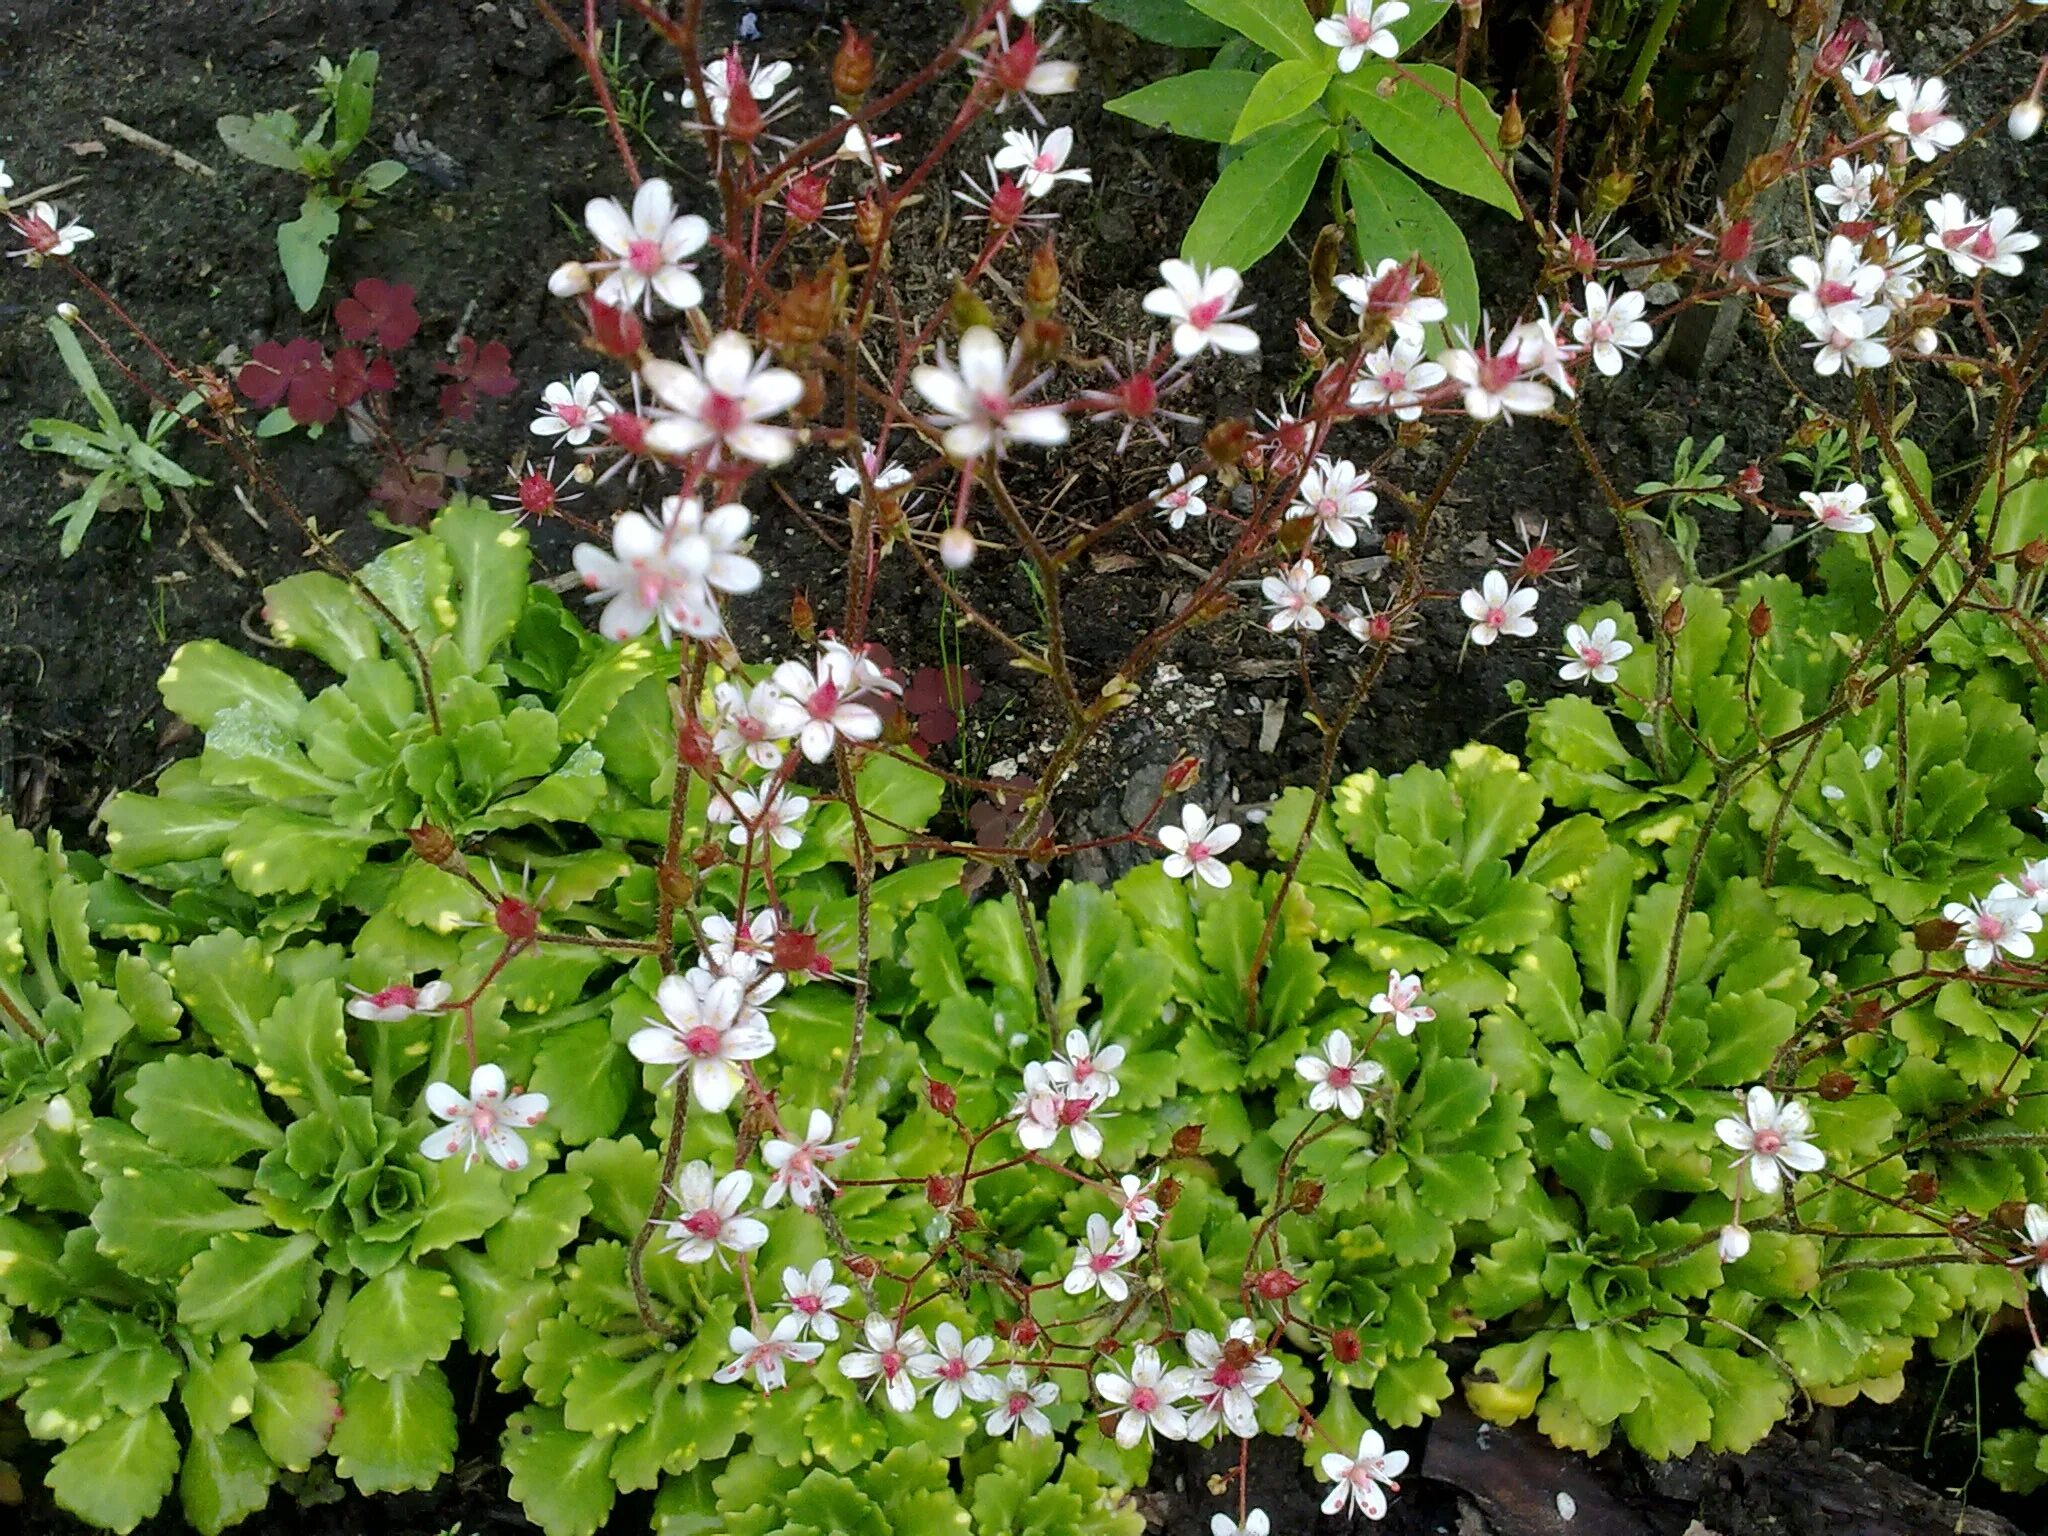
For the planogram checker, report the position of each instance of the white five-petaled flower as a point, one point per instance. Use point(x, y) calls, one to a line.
point(1196, 845)
point(1612, 329)
point(1040, 164)
point(1920, 117)
point(1360, 27)
point(883, 475)
point(1296, 594)
point(1084, 1069)
point(1181, 497)
point(2029, 887)
point(1594, 654)
point(1362, 1481)
point(1044, 1109)
point(1393, 293)
point(1840, 510)
point(399, 1002)
point(955, 1364)
point(886, 1361)
point(47, 234)
point(1495, 609)
point(1991, 928)
point(570, 411)
point(1020, 1405)
point(726, 77)
point(769, 813)
point(1226, 1377)
point(485, 1122)
point(1200, 303)
point(798, 1167)
point(1836, 288)
point(767, 1355)
point(1395, 379)
point(1851, 340)
point(1137, 1206)
point(667, 575)
point(812, 1297)
point(647, 249)
point(745, 721)
point(710, 1220)
point(977, 404)
point(707, 1028)
point(1149, 1397)
point(1772, 1136)
point(858, 147)
point(1973, 245)
point(1099, 1261)
point(821, 704)
point(1402, 1003)
point(1337, 1077)
point(2035, 1223)
point(1338, 497)
point(1868, 73)
point(1851, 188)
point(722, 401)
point(1495, 381)
point(1255, 1524)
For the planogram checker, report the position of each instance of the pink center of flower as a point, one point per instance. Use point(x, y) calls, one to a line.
point(702, 1042)
point(1226, 1376)
point(484, 1117)
point(724, 414)
point(892, 1363)
point(824, 700)
point(644, 256)
point(810, 1306)
point(40, 236)
point(1074, 1111)
point(706, 1223)
point(1045, 164)
point(1833, 291)
point(627, 430)
point(1018, 1403)
point(1143, 1399)
point(1496, 373)
point(1769, 1143)
point(572, 414)
point(1205, 314)
point(1326, 508)
point(1360, 28)
point(1918, 123)
point(396, 997)
point(1496, 617)
point(1199, 850)
point(953, 1369)
point(1592, 656)
point(1102, 1263)
point(1990, 926)
point(1340, 1077)
point(1976, 240)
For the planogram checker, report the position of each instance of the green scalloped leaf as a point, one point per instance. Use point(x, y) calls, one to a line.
point(399, 1321)
point(396, 1432)
point(117, 1476)
point(562, 1479)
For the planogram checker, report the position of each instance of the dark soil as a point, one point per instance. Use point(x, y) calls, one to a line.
point(490, 89)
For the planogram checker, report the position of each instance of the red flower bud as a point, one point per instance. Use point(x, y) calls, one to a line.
point(940, 1190)
point(1835, 1086)
point(432, 844)
point(517, 919)
point(853, 69)
point(1275, 1284)
point(1182, 776)
point(614, 332)
point(942, 1096)
point(804, 198)
point(1187, 1141)
point(1735, 242)
point(1344, 1347)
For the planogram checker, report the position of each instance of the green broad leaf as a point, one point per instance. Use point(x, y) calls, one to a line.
point(205, 679)
point(1747, 1394)
point(1285, 91)
point(1175, 23)
point(1083, 928)
point(1419, 126)
point(1258, 197)
point(1397, 218)
point(588, 1080)
point(607, 1396)
point(562, 1479)
point(545, 1220)
point(31, 1266)
point(489, 554)
point(1278, 26)
point(229, 984)
point(623, 1178)
point(1201, 104)
point(226, 1479)
point(396, 1432)
point(201, 1109)
point(278, 852)
point(295, 1412)
point(1600, 1370)
point(401, 1320)
point(271, 138)
point(247, 1284)
point(322, 614)
point(70, 1398)
point(1408, 1391)
point(302, 1051)
point(586, 704)
point(153, 1223)
point(382, 175)
point(117, 1476)
point(690, 1427)
point(1674, 1415)
point(220, 1389)
point(568, 795)
point(302, 247)
point(461, 1205)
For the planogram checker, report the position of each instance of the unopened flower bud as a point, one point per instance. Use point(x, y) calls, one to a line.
point(1226, 442)
point(742, 113)
point(1024, 1333)
point(2038, 1359)
point(940, 1190)
point(1306, 1195)
point(1734, 1242)
point(1187, 1141)
point(1559, 33)
point(568, 280)
point(1042, 281)
point(863, 1266)
point(941, 1095)
point(1922, 1187)
point(2032, 555)
point(1395, 543)
point(1834, 1087)
point(1926, 342)
point(678, 885)
point(433, 845)
point(963, 1219)
point(1735, 242)
point(1610, 192)
point(2025, 120)
point(1937, 933)
point(1749, 481)
point(1512, 129)
point(1344, 1347)
point(706, 856)
point(967, 309)
point(617, 333)
point(1868, 1017)
point(801, 619)
point(1311, 345)
point(804, 198)
point(68, 313)
point(517, 919)
point(1181, 776)
point(694, 750)
point(794, 950)
point(60, 1116)
point(1167, 1193)
point(956, 548)
point(1275, 1284)
point(1834, 53)
point(853, 69)
point(867, 222)
point(1674, 616)
point(2010, 1213)
point(1759, 620)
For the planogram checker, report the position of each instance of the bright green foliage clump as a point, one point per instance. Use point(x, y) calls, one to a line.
point(224, 1262)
